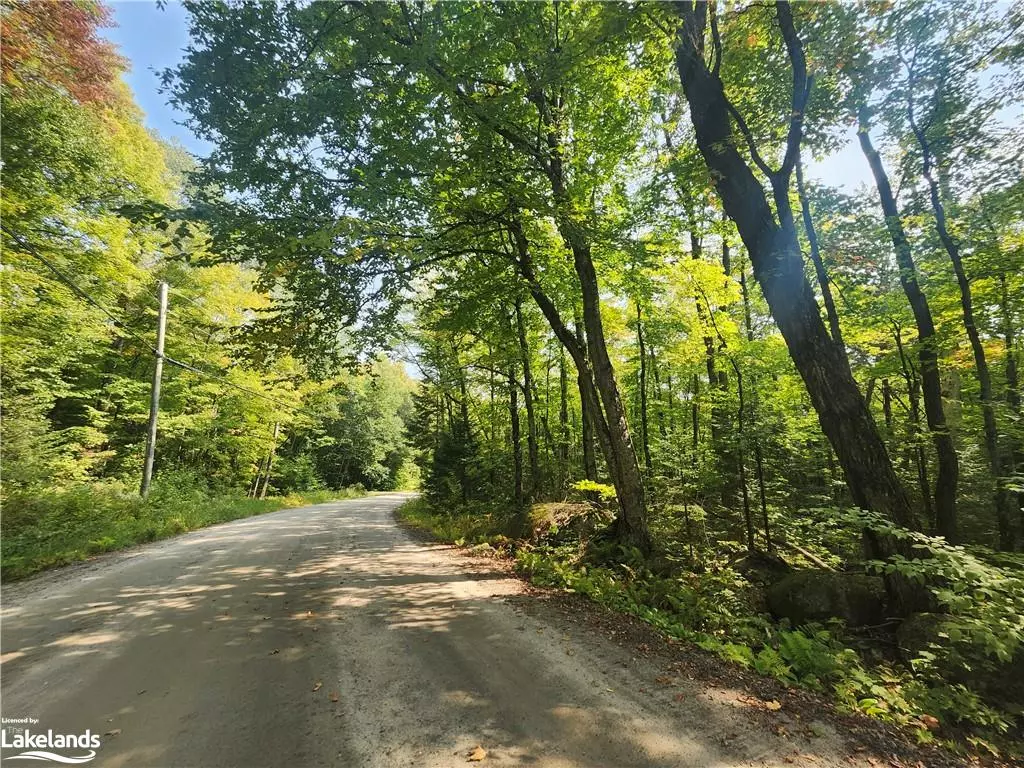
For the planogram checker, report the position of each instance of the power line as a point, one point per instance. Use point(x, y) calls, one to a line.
point(85, 296)
point(217, 377)
point(33, 251)
point(176, 290)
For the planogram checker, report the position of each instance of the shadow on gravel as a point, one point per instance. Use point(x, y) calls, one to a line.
point(346, 633)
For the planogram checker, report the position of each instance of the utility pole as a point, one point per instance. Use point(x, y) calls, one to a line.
point(154, 397)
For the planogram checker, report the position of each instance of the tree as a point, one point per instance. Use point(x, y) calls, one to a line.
point(771, 240)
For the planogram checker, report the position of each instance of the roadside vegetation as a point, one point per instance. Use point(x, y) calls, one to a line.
point(78, 521)
point(662, 357)
point(244, 425)
point(954, 677)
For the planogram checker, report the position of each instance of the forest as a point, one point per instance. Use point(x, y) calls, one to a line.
point(241, 418)
point(567, 267)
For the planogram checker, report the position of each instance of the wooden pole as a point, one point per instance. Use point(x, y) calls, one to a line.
point(154, 396)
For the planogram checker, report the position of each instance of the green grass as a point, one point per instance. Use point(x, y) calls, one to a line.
point(62, 526)
point(457, 526)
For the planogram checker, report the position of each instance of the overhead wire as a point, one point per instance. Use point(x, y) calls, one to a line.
point(85, 296)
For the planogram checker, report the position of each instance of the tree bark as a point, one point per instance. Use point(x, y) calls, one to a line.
point(819, 265)
point(563, 421)
point(778, 268)
point(1014, 455)
point(644, 424)
point(931, 384)
point(528, 400)
point(758, 455)
point(621, 457)
point(597, 386)
point(517, 447)
point(588, 424)
point(917, 446)
point(270, 461)
point(981, 369)
point(632, 522)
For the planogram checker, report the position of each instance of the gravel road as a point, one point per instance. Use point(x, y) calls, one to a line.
point(326, 636)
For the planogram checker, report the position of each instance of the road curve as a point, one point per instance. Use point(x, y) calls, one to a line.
point(326, 636)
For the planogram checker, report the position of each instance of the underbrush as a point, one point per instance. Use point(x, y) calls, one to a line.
point(62, 526)
point(474, 524)
point(939, 694)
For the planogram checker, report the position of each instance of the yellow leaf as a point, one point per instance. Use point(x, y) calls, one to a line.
point(317, 686)
point(478, 754)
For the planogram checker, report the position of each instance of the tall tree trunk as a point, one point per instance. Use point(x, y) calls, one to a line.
point(758, 456)
point(1014, 454)
point(563, 422)
point(931, 384)
point(659, 412)
point(644, 424)
point(917, 442)
point(1013, 398)
point(631, 523)
point(517, 447)
point(981, 370)
point(629, 487)
point(741, 463)
point(887, 408)
point(819, 265)
point(588, 423)
point(270, 461)
point(463, 395)
point(778, 267)
point(528, 399)
point(597, 382)
point(696, 251)
point(255, 484)
point(721, 443)
point(695, 422)
point(670, 402)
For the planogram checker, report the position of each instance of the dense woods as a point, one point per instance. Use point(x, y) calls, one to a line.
point(657, 361)
point(80, 294)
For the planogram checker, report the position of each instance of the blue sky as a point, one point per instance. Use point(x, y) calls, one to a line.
point(152, 39)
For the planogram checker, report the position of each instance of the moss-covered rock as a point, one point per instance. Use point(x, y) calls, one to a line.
point(580, 518)
point(806, 596)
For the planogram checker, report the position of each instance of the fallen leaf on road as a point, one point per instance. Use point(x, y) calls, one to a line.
point(772, 706)
point(680, 696)
point(276, 650)
point(664, 679)
point(317, 686)
point(478, 754)
point(334, 696)
point(115, 732)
